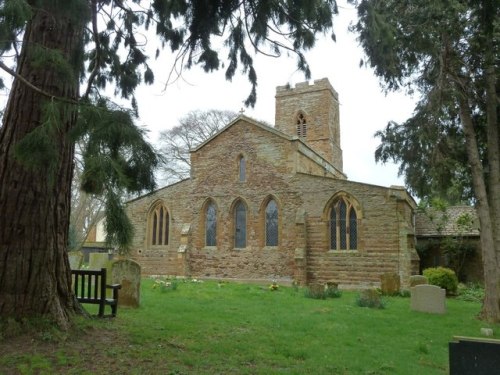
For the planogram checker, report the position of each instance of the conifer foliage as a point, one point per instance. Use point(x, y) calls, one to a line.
point(448, 52)
point(62, 54)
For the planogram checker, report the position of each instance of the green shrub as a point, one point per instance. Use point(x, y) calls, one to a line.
point(333, 293)
point(173, 284)
point(442, 277)
point(470, 292)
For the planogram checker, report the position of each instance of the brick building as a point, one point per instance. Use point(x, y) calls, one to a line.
point(268, 203)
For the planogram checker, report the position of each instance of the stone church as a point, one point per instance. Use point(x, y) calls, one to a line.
point(266, 203)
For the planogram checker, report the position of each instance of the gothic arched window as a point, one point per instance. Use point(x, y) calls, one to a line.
point(240, 225)
point(343, 226)
point(301, 125)
point(272, 223)
point(159, 226)
point(211, 225)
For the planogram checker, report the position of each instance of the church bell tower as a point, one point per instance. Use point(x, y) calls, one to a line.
point(311, 112)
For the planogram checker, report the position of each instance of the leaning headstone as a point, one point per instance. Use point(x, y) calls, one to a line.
point(418, 280)
point(390, 283)
point(428, 298)
point(75, 260)
point(127, 273)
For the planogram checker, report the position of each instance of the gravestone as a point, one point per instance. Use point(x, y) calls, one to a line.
point(428, 298)
point(127, 273)
point(370, 298)
point(418, 280)
point(98, 261)
point(471, 355)
point(75, 260)
point(317, 288)
point(390, 283)
point(332, 285)
point(486, 331)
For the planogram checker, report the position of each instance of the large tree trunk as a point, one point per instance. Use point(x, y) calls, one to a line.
point(34, 210)
point(493, 141)
point(493, 153)
point(490, 12)
point(494, 166)
point(491, 303)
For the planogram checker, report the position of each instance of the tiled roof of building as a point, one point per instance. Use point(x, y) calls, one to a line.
point(431, 222)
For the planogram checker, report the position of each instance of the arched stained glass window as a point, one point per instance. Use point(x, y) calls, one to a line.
point(272, 223)
point(353, 229)
point(159, 223)
point(343, 226)
point(333, 228)
point(211, 225)
point(240, 225)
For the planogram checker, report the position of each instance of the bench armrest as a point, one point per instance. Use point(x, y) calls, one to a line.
point(115, 288)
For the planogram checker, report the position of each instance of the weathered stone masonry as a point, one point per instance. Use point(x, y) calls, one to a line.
point(298, 164)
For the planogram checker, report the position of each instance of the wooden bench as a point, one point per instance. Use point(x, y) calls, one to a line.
point(90, 287)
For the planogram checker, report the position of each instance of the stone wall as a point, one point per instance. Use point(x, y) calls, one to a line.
point(380, 248)
point(165, 260)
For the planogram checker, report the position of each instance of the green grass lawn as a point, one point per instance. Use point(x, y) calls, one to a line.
point(205, 328)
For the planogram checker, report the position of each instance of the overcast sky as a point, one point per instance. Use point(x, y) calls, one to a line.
point(364, 108)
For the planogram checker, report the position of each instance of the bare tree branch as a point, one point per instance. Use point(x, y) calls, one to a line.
point(193, 129)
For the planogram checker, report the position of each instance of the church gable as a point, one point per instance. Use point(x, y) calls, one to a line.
point(243, 152)
point(263, 150)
